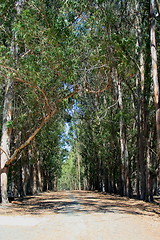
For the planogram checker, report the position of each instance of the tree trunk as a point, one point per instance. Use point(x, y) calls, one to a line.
point(123, 145)
point(7, 117)
point(34, 187)
point(141, 111)
point(39, 177)
point(149, 172)
point(25, 178)
point(6, 139)
point(79, 170)
point(78, 156)
point(154, 71)
point(155, 75)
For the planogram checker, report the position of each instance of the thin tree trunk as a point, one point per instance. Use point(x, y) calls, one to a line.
point(39, 176)
point(142, 140)
point(149, 173)
point(25, 178)
point(123, 145)
point(141, 111)
point(79, 170)
point(34, 187)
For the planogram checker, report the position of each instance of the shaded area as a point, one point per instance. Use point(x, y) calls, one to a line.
point(77, 202)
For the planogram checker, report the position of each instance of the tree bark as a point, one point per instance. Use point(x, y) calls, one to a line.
point(123, 145)
point(6, 139)
point(141, 111)
point(154, 71)
point(7, 117)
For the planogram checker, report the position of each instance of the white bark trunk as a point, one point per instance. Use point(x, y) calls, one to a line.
point(6, 138)
point(123, 143)
point(7, 117)
point(155, 75)
point(154, 56)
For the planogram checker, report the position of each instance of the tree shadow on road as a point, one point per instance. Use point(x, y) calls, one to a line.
point(79, 202)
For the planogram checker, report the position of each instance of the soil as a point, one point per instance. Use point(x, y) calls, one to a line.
point(79, 215)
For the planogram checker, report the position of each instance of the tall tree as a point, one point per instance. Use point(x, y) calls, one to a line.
point(29, 44)
point(154, 13)
point(7, 113)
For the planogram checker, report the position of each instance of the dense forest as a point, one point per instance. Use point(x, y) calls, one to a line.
point(79, 96)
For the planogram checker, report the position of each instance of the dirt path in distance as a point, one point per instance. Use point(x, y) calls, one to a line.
point(79, 215)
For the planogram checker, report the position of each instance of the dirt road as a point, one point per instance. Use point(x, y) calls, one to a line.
point(79, 216)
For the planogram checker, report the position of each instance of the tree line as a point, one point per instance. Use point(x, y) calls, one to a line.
point(93, 64)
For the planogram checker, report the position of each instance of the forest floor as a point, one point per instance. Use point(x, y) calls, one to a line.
point(79, 215)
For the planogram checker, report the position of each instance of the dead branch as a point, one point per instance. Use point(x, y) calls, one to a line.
point(24, 54)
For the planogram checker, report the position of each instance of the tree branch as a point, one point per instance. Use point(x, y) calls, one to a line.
point(68, 96)
point(43, 121)
point(98, 91)
point(158, 6)
point(4, 152)
point(19, 79)
point(37, 88)
point(88, 90)
point(27, 142)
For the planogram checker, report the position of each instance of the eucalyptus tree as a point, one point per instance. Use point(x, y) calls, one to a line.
point(8, 97)
point(98, 49)
point(120, 38)
point(154, 12)
point(43, 75)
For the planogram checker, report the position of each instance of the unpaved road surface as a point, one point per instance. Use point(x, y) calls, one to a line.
point(79, 216)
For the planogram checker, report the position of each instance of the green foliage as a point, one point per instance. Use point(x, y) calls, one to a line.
point(68, 179)
point(52, 47)
point(9, 124)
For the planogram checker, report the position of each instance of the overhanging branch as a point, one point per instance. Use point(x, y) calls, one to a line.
point(36, 131)
point(28, 141)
